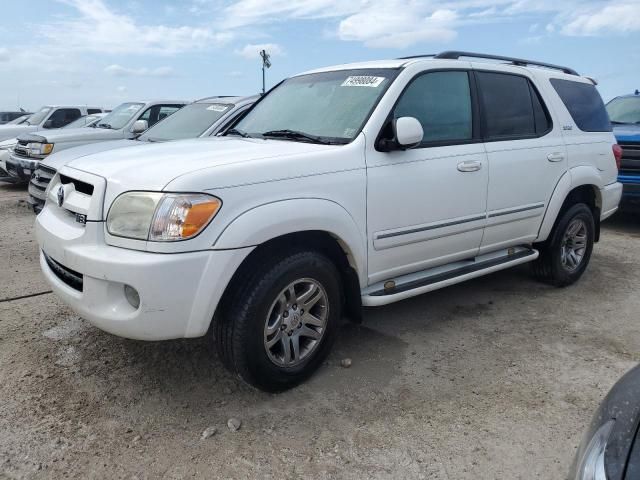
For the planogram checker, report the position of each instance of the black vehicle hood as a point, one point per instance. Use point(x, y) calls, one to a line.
point(32, 137)
point(622, 403)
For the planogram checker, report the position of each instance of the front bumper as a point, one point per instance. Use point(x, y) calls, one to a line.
point(630, 192)
point(178, 292)
point(20, 168)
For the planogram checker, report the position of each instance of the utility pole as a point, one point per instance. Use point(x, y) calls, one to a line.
point(266, 63)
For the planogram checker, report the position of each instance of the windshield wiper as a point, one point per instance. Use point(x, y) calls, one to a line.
point(615, 122)
point(296, 135)
point(235, 131)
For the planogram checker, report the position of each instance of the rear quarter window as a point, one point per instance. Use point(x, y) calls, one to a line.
point(584, 104)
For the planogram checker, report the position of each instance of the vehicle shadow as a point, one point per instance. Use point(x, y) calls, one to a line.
point(623, 222)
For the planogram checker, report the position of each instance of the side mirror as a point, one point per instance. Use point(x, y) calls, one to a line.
point(48, 124)
point(408, 132)
point(139, 126)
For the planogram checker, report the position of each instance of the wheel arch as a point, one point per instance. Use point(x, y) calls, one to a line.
point(317, 224)
point(580, 184)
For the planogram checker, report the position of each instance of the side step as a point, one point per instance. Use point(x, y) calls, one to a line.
point(393, 290)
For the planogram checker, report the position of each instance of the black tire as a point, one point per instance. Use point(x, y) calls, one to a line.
point(549, 266)
point(240, 325)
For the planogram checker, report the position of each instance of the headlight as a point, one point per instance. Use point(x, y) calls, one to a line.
point(591, 464)
point(161, 217)
point(7, 147)
point(40, 148)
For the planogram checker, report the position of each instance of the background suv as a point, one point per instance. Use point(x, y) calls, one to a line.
point(625, 116)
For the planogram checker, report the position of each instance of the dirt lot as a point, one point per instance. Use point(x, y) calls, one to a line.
point(495, 378)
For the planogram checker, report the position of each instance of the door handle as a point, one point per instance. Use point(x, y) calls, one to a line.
point(470, 166)
point(555, 157)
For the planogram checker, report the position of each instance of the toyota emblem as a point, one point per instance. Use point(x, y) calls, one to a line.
point(60, 196)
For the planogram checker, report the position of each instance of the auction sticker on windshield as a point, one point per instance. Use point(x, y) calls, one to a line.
point(363, 81)
point(217, 108)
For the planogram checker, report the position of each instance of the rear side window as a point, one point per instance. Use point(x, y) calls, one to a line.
point(511, 107)
point(441, 101)
point(92, 111)
point(63, 116)
point(584, 104)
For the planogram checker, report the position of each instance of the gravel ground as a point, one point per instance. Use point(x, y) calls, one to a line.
point(494, 378)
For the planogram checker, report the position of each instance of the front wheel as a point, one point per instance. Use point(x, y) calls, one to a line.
point(281, 320)
point(565, 256)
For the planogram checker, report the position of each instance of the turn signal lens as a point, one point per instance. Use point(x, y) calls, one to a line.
point(182, 216)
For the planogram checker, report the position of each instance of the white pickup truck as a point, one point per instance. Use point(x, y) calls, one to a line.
point(48, 117)
point(352, 185)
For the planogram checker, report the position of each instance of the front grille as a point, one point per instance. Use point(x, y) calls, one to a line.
point(80, 186)
point(630, 158)
point(42, 177)
point(20, 149)
point(66, 275)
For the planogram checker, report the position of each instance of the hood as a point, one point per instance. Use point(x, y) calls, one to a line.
point(9, 142)
point(12, 131)
point(82, 134)
point(154, 166)
point(59, 159)
point(627, 133)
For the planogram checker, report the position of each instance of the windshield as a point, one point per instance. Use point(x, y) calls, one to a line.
point(19, 120)
point(85, 121)
point(190, 121)
point(624, 110)
point(39, 116)
point(323, 107)
point(120, 116)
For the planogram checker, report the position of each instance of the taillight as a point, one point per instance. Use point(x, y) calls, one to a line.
point(617, 152)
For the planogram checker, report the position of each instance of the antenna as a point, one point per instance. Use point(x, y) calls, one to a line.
point(266, 63)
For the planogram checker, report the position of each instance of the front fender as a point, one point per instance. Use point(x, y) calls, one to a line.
point(268, 221)
point(575, 177)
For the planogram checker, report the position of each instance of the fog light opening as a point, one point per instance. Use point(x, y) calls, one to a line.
point(132, 295)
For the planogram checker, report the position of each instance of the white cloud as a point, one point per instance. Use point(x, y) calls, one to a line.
point(252, 50)
point(120, 71)
point(251, 12)
point(392, 27)
point(621, 17)
point(99, 29)
point(121, 89)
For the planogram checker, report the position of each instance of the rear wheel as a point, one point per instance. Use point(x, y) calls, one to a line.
point(565, 256)
point(280, 320)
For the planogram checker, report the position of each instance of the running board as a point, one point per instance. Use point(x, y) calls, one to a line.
point(413, 284)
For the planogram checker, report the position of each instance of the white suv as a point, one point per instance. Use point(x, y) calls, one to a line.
point(352, 185)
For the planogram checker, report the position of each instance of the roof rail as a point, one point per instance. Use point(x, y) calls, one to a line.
point(410, 57)
point(455, 55)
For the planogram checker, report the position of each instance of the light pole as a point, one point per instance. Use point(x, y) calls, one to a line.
point(266, 63)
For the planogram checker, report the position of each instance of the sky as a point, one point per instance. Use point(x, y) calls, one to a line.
point(104, 52)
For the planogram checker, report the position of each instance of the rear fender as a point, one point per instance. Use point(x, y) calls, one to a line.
point(574, 178)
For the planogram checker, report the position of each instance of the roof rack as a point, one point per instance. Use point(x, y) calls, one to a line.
point(455, 55)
